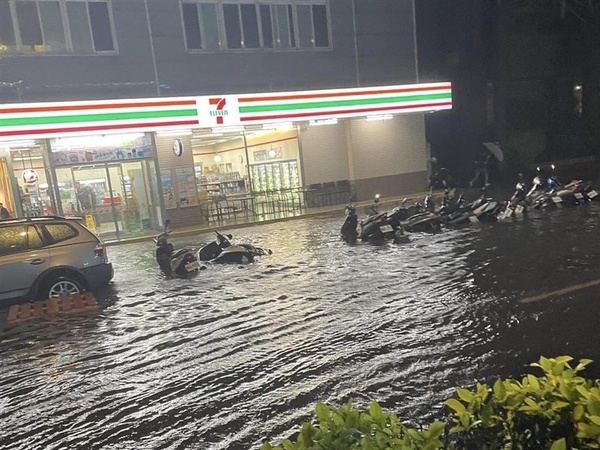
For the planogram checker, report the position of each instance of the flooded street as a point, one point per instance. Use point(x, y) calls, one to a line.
point(242, 353)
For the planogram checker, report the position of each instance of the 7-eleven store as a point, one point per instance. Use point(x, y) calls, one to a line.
point(142, 160)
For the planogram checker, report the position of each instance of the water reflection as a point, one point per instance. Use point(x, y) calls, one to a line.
point(239, 352)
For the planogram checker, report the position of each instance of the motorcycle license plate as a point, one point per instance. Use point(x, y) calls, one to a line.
point(386, 228)
point(578, 195)
point(194, 265)
point(519, 209)
point(557, 199)
point(592, 194)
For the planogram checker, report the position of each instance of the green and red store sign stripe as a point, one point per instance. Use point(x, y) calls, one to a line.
point(345, 103)
point(38, 120)
point(67, 118)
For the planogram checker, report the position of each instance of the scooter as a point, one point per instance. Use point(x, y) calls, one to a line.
point(574, 193)
point(348, 231)
point(401, 213)
point(376, 226)
point(222, 251)
point(485, 208)
point(420, 218)
point(516, 205)
point(426, 221)
point(454, 210)
point(181, 263)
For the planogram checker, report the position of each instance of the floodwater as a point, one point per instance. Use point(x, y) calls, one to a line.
point(242, 353)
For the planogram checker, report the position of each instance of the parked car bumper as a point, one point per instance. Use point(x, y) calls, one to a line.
point(97, 276)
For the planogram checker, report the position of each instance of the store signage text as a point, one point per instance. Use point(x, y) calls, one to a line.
point(220, 110)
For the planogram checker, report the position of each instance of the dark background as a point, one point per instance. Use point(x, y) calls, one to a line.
point(515, 65)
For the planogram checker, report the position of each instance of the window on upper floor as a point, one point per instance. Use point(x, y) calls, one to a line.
point(56, 26)
point(220, 25)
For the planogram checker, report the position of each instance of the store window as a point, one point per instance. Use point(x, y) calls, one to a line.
point(245, 25)
point(56, 26)
point(233, 165)
point(110, 181)
point(32, 174)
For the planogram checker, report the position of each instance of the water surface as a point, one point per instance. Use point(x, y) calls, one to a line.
point(242, 353)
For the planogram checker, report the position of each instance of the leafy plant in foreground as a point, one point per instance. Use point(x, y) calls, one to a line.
point(348, 428)
point(558, 410)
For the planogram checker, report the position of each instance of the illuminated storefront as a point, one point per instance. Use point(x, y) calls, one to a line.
point(140, 160)
point(111, 178)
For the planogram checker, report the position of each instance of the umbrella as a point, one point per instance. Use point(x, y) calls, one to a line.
point(495, 150)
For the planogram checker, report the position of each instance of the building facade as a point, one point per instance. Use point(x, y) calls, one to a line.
point(268, 95)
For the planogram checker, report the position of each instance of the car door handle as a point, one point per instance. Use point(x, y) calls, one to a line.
point(36, 261)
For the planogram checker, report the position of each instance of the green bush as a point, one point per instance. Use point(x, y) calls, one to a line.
point(557, 410)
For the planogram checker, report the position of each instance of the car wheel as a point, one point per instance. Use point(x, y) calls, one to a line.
point(61, 287)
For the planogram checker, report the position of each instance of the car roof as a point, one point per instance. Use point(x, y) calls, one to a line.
point(38, 219)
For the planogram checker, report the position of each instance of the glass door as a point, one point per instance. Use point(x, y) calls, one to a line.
point(130, 185)
point(90, 189)
point(116, 200)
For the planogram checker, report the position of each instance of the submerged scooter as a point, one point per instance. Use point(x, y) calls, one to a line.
point(376, 226)
point(181, 263)
point(517, 203)
point(486, 208)
point(222, 251)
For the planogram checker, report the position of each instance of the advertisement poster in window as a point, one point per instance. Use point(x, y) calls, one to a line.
point(166, 180)
point(188, 195)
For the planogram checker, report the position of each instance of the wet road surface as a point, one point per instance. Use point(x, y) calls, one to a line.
point(242, 353)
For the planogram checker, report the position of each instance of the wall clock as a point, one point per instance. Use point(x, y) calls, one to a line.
point(177, 147)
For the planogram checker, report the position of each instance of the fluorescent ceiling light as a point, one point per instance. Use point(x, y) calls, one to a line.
point(382, 117)
point(278, 126)
point(107, 140)
point(18, 144)
point(174, 133)
point(27, 158)
point(323, 122)
point(227, 129)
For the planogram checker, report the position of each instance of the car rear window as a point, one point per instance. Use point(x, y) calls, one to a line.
point(60, 231)
point(19, 238)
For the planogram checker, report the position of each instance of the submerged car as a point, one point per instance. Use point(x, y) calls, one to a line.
point(45, 257)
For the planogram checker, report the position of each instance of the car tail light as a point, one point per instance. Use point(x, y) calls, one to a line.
point(100, 251)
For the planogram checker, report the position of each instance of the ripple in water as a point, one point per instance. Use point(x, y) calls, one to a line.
point(242, 353)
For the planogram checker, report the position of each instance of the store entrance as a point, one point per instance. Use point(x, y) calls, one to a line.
point(116, 200)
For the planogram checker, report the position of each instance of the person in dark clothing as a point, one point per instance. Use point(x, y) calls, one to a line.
point(86, 199)
point(482, 169)
point(4, 214)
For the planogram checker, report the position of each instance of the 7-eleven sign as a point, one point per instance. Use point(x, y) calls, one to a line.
point(219, 110)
